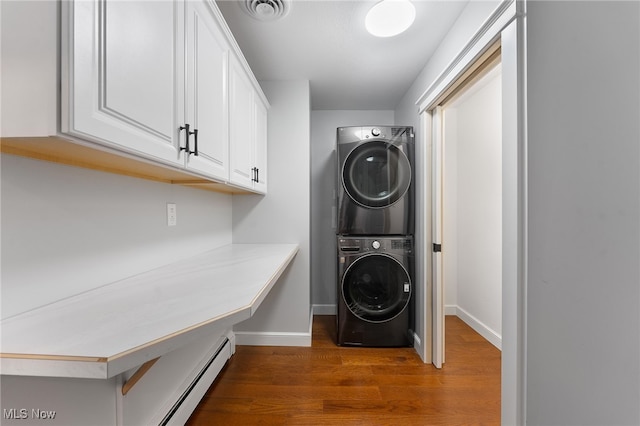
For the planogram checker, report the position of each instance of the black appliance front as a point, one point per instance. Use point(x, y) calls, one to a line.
point(375, 189)
point(375, 303)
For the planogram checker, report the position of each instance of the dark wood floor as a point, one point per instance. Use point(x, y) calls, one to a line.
point(330, 385)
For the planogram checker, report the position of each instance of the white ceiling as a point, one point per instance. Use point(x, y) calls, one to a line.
point(325, 42)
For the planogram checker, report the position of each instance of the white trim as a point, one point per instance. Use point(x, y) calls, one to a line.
point(275, 338)
point(268, 338)
point(451, 310)
point(488, 32)
point(325, 309)
point(514, 214)
point(481, 328)
point(417, 342)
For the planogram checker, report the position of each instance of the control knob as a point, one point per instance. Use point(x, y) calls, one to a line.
point(375, 244)
point(375, 132)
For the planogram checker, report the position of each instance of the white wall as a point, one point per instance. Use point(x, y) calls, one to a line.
point(66, 230)
point(406, 113)
point(282, 216)
point(472, 206)
point(323, 202)
point(583, 290)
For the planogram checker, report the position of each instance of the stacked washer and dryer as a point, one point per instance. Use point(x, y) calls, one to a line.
point(375, 226)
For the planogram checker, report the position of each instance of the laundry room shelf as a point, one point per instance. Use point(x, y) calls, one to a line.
point(109, 330)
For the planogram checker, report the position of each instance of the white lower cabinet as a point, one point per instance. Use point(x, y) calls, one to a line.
point(166, 394)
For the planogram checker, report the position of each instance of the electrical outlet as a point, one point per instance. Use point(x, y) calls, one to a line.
point(172, 214)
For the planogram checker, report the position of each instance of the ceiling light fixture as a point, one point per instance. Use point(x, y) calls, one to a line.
point(390, 17)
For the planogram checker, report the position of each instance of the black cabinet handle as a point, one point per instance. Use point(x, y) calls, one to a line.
point(255, 174)
point(195, 136)
point(188, 133)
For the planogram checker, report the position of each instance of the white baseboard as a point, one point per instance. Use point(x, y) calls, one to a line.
point(494, 338)
point(275, 338)
point(451, 310)
point(417, 342)
point(325, 309)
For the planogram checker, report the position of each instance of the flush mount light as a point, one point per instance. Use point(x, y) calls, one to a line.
point(390, 17)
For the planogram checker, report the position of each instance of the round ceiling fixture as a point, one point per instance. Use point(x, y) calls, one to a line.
point(390, 17)
point(266, 10)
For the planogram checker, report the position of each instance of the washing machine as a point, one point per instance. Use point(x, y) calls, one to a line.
point(375, 291)
point(375, 191)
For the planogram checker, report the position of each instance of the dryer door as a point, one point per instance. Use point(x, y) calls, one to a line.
point(376, 174)
point(376, 288)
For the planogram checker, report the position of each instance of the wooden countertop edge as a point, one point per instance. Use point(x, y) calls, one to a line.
point(44, 357)
point(82, 358)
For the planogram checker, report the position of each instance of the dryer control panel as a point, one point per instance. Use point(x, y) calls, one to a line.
point(397, 245)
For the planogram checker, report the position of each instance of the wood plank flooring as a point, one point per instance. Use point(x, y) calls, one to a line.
point(331, 385)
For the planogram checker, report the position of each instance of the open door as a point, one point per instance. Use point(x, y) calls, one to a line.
point(436, 232)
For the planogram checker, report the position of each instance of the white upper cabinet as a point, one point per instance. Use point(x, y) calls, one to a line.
point(156, 81)
point(240, 126)
point(260, 144)
point(207, 111)
point(248, 132)
point(123, 63)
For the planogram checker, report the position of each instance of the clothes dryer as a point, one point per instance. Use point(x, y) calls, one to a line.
point(375, 291)
point(375, 194)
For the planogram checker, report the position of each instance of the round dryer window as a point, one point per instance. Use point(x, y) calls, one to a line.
point(376, 288)
point(376, 174)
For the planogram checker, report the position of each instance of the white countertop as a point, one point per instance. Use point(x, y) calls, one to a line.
point(103, 332)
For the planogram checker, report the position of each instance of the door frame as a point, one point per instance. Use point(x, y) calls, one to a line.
point(506, 25)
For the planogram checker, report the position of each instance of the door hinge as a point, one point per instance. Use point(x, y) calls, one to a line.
point(437, 248)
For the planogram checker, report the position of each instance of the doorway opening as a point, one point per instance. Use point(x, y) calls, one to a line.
point(504, 33)
point(467, 201)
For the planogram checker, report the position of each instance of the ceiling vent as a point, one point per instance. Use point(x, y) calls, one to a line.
point(267, 10)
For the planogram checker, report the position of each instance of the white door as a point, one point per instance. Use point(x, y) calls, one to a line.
point(436, 232)
point(241, 123)
point(123, 62)
point(206, 97)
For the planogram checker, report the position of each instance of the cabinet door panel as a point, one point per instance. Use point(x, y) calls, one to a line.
point(207, 107)
point(138, 77)
point(241, 126)
point(260, 142)
point(123, 68)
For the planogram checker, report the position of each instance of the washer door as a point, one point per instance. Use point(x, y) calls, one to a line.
point(376, 288)
point(376, 174)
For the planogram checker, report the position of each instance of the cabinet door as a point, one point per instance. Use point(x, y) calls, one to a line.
point(122, 61)
point(260, 145)
point(240, 126)
point(206, 105)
